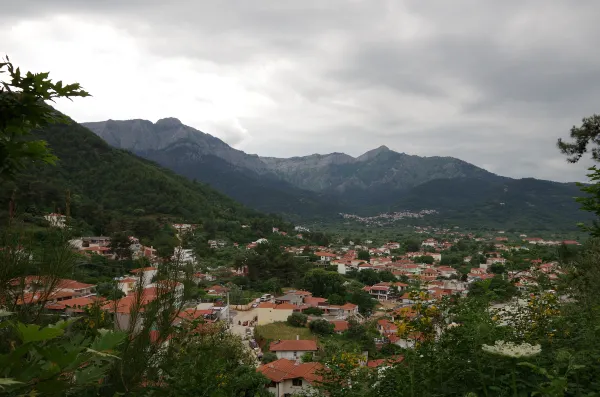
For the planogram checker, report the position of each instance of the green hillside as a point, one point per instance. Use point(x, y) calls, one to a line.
point(523, 204)
point(107, 184)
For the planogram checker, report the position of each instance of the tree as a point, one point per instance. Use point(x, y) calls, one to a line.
point(497, 268)
point(424, 259)
point(120, 245)
point(307, 357)
point(591, 202)
point(109, 290)
point(208, 361)
point(321, 327)
point(323, 283)
point(22, 110)
point(588, 133)
point(52, 360)
point(336, 299)
point(297, 320)
point(368, 276)
point(387, 276)
point(412, 245)
point(363, 255)
point(315, 311)
point(268, 357)
point(365, 302)
point(497, 289)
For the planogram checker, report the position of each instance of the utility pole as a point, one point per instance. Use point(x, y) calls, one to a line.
point(228, 309)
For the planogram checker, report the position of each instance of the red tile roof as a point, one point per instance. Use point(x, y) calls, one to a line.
point(77, 303)
point(281, 306)
point(328, 254)
point(385, 361)
point(340, 325)
point(293, 345)
point(283, 368)
point(314, 301)
point(144, 269)
point(125, 304)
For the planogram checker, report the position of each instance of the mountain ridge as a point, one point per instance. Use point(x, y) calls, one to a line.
point(320, 185)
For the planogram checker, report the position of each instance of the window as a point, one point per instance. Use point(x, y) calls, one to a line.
point(296, 382)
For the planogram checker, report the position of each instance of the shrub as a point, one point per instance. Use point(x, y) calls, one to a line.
point(315, 311)
point(321, 327)
point(297, 320)
point(268, 357)
point(307, 357)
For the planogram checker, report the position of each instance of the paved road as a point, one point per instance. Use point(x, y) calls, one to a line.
point(240, 330)
point(240, 316)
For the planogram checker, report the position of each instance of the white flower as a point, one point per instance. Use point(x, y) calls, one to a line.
point(511, 349)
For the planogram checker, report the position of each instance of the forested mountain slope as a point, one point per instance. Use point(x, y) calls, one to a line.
point(107, 183)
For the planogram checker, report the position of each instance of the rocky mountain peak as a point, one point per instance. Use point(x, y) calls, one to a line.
point(373, 153)
point(169, 122)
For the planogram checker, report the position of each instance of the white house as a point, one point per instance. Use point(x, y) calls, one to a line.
point(290, 377)
point(182, 256)
point(56, 220)
point(292, 349)
point(325, 256)
point(146, 274)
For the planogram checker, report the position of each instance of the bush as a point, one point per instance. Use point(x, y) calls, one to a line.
point(297, 320)
point(307, 357)
point(315, 311)
point(321, 327)
point(268, 357)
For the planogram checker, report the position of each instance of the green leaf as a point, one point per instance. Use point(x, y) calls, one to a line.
point(4, 313)
point(108, 340)
point(32, 333)
point(102, 354)
point(8, 382)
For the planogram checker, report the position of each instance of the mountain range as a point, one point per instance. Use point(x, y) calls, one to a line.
point(111, 189)
point(322, 185)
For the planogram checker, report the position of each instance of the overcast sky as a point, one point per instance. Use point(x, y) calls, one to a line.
point(491, 82)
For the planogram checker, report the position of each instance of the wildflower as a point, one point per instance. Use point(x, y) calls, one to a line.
point(510, 349)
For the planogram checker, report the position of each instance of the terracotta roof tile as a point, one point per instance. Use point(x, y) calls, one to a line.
point(293, 345)
point(282, 369)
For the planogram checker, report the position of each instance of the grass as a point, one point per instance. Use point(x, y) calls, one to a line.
point(281, 330)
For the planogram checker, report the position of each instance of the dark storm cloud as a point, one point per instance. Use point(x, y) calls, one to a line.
point(491, 82)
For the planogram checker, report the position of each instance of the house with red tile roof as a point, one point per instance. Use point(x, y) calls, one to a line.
point(325, 256)
point(385, 327)
point(289, 377)
point(36, 289)
point(344, 311)
point(447, 271)
point(292, 349)
point(385, 291)
point(136, 301)
point(74, 305)
point(218, 290)
point(313, 301)
point(340, 326)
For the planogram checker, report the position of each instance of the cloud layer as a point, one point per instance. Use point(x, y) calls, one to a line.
point(493, 83)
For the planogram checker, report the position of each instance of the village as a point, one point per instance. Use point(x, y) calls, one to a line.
point(415, 276)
